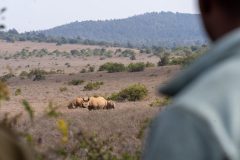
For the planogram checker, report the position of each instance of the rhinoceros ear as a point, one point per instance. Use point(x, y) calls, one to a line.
point(86, 99)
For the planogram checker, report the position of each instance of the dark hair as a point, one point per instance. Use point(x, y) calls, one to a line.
point(232, 7)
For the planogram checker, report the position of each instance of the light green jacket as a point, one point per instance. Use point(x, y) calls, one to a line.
point(203, 122)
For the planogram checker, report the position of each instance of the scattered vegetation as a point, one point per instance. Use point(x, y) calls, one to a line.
point(76, 82)
point(52, 111)
point(38, 74)
point(136, 67)
point(12, 35)
point(164, 60)
point(128, 53)
point(184, 60)
point(63, 89)
point(134, 92)
point(93, 86)
point(68, 65)
point(18, 92)
point(143, 128)
point(26, 53)
point(112, 67)
point(6, 77)
point(149, 65)
point(91, 69)
point(119, 67)
point(23, 74)
point(177, 60)
point(159, 102)
point(83, 70)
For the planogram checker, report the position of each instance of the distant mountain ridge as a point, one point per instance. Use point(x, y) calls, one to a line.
point(164, 28)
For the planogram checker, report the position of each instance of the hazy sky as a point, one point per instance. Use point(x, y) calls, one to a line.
point(27, 15)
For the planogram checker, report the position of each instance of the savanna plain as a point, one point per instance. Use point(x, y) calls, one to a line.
point(43, 78)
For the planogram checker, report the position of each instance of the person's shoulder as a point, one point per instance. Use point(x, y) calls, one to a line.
point(215, 84)
point(214, 98)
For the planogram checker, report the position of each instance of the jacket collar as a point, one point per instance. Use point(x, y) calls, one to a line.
point(221, 50)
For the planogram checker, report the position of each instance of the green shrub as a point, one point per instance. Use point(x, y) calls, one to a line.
point(37, 74)
point(93, 86)
point(134, 92)
point(127, 156)
point(68, 65)
point(91, 69)
point(133, 57)
point(75, 52)
point(149, 64)
point(128, 53)
point(143, 127)
point(23, 74)
point(76, 82)
point(83, 70)
point(159, 102)
point(39, 77)
point(184, 60)
point(136, 67)
point(51, 110)
point(112, 67)
point(18, 92)
point(6, 77)
point(164, 60)
point(63, 89)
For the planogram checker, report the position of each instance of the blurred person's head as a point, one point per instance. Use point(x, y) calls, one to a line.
point(220, 16)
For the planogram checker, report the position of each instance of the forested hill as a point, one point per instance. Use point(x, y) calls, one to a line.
point(165, 28)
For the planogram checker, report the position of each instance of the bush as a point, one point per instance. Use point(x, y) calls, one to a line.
point(164, 60)
point(134, 92)
point(37, 74)
point(76, 82)
point(185, 60)
point(68, 65)
point(149, 64)
point(128, 53)
point(6, 77)
point(63, 89)
point(93, 86)
point(83, 70)
point(136, 67)
point(91, 69)
point(39, 77)
point(23, 74)
point(133, 57)
point(112, 67)
point(18, 92)
point(159, 102)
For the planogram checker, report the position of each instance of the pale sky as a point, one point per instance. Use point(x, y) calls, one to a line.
point(28, 15)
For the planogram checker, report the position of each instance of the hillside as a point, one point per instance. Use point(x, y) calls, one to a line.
point(165, 28)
